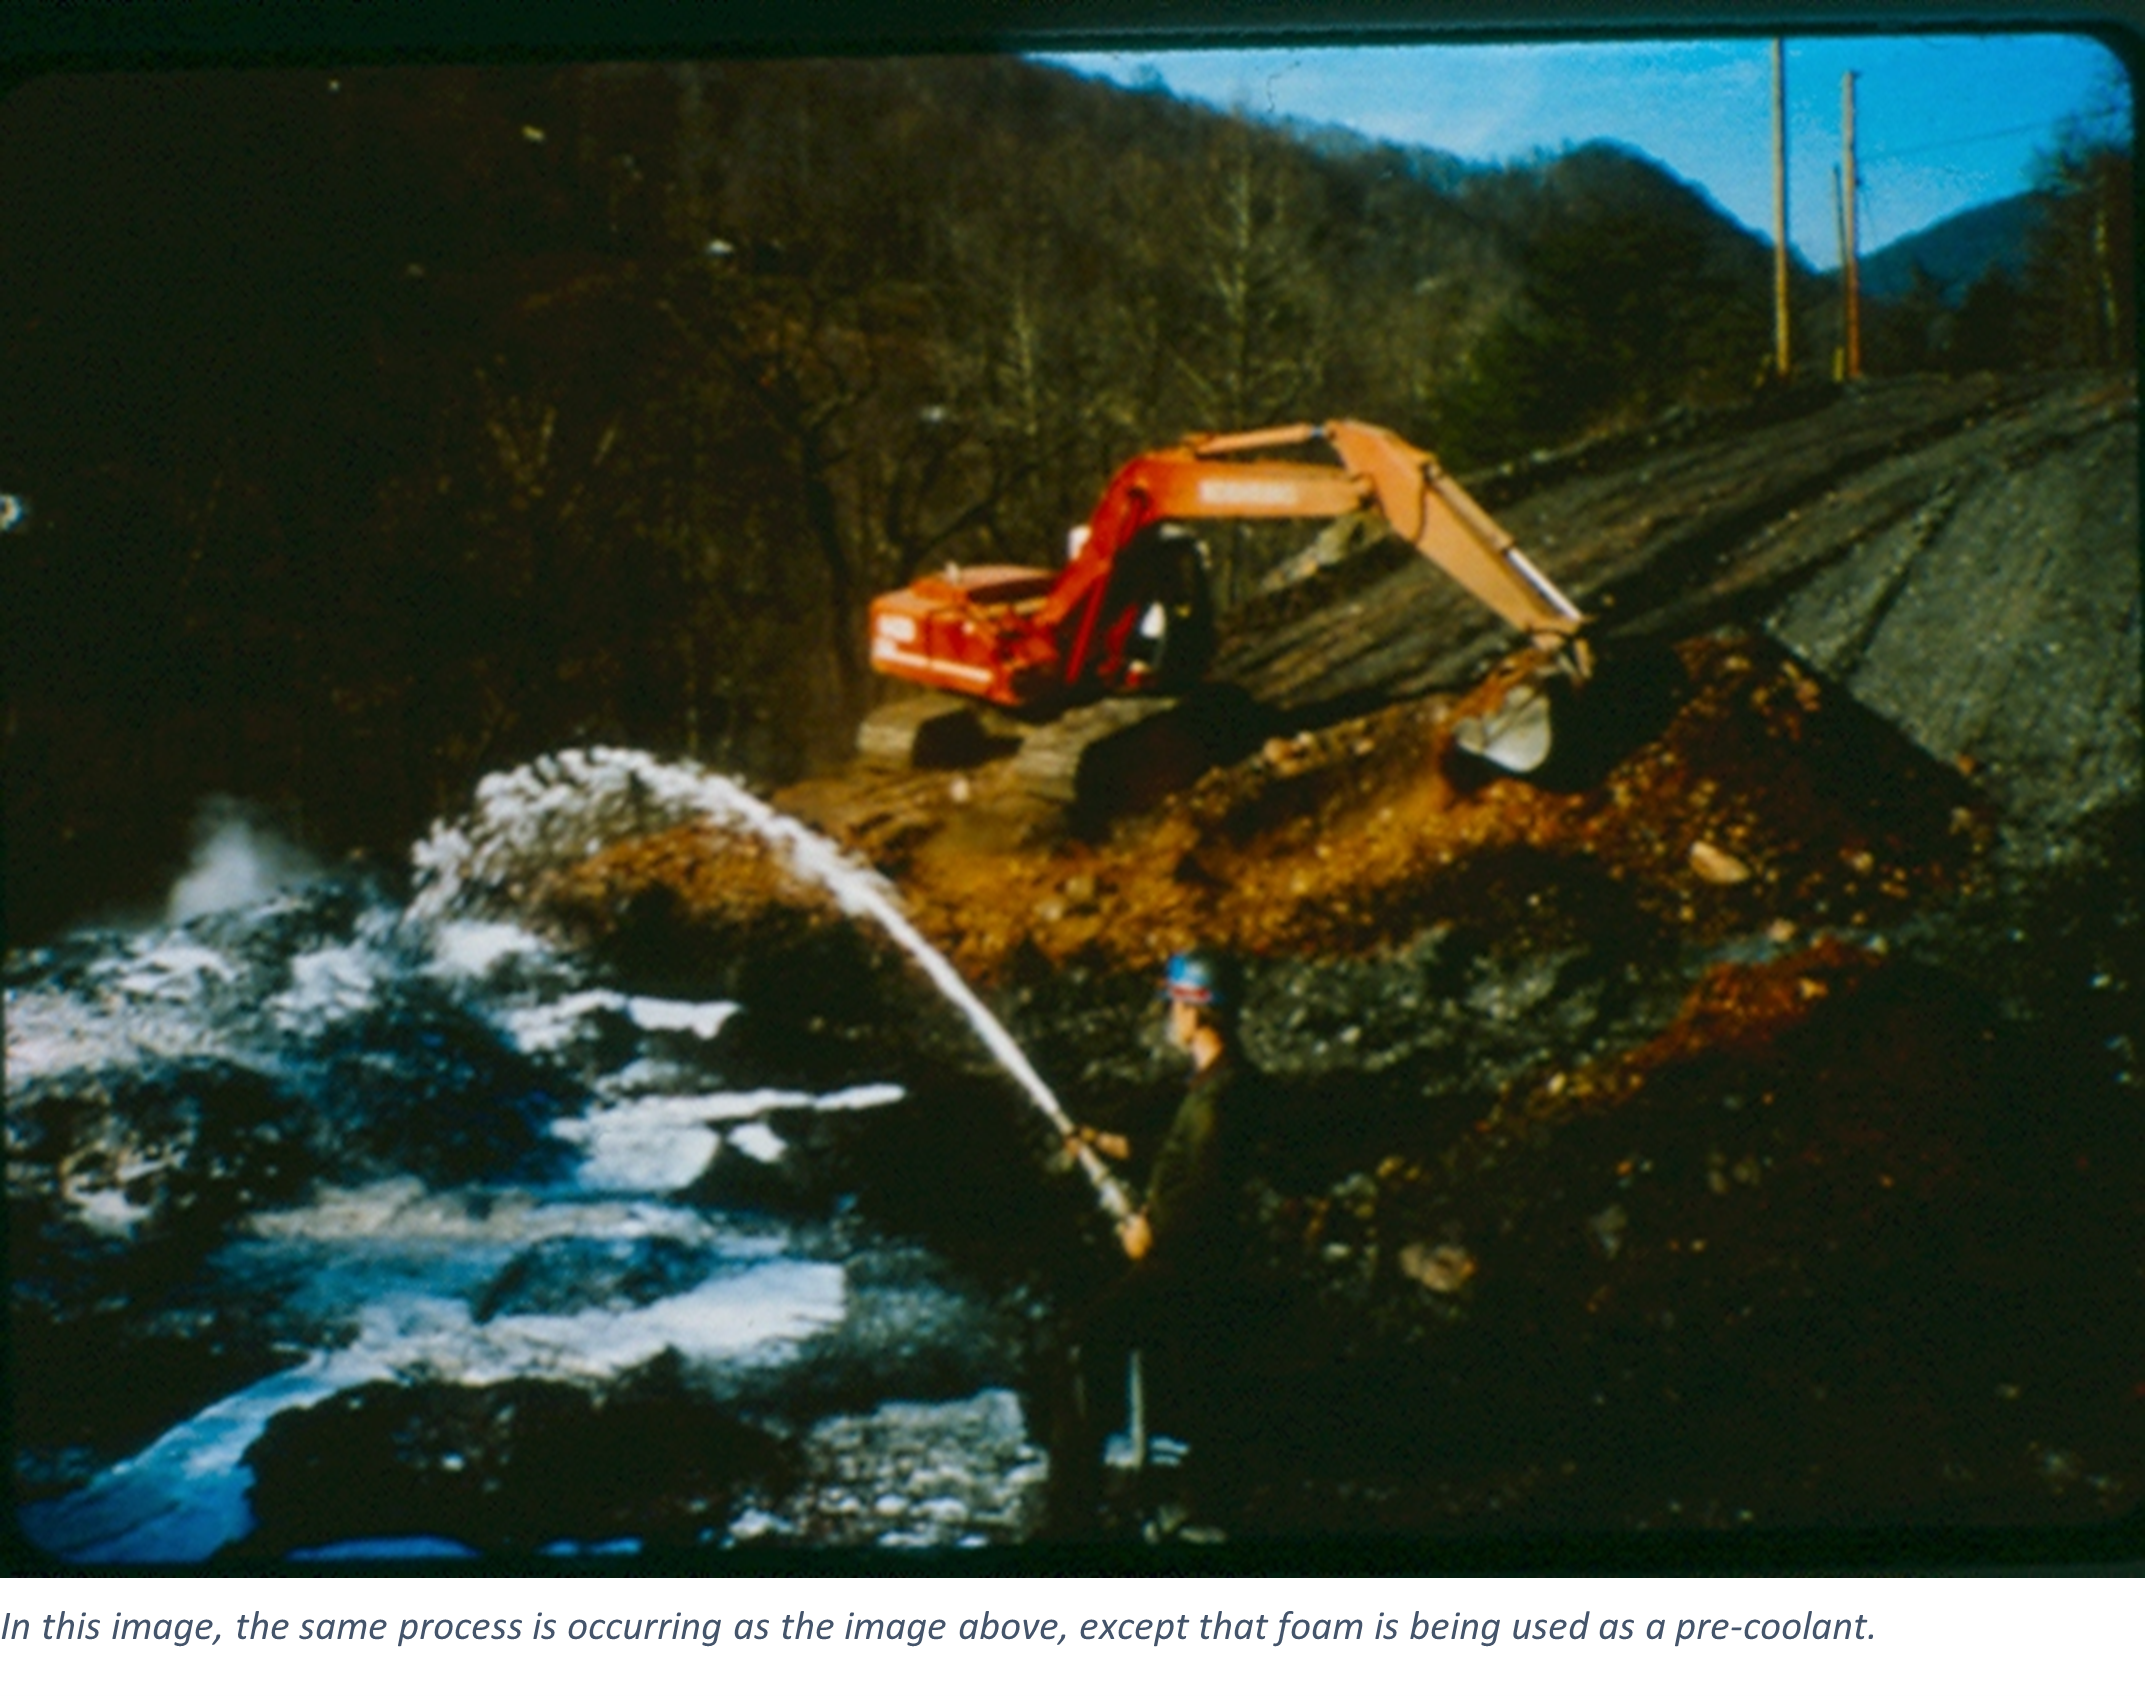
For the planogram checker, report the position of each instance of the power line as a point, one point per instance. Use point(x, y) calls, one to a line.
point(1864, 186)
point(1991, 135)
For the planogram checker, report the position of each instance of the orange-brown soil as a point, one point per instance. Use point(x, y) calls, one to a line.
point(1765, 802)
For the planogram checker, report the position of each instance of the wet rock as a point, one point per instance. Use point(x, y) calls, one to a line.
point(171, 1147)
point(911, 1328)
point(572, 1274)
point(911, 1475)
point(506, 1467)
point(420, 1083)
point(1717, 865)
point(98, 1369)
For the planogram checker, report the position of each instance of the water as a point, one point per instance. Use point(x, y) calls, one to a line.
point(420, 1156)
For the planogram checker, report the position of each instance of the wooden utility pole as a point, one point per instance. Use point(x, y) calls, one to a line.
point(1781, 358)
point(1839, 229)
point(1850, 280)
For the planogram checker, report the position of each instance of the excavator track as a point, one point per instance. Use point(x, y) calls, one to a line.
point(1125, 754)
point(1103, 760)
point(930, 732)
point(1053, 756)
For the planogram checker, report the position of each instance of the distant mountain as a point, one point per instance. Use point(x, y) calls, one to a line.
point(1957, 251)
point(1448, 173)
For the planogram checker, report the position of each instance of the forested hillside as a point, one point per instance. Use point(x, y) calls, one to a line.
point(1955, 252)
point(383, 427)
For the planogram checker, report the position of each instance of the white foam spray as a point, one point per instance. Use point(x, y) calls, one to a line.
point(237, 861)
point(568, 805)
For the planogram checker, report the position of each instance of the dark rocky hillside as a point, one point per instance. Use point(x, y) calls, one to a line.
point(1694, 1140)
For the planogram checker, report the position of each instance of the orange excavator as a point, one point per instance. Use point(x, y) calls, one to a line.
point(1131, 613)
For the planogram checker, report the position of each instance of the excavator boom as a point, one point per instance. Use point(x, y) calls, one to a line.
point(1429, 509)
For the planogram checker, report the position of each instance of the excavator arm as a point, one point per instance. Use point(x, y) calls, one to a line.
point(1426, 507)
point(1205, 477)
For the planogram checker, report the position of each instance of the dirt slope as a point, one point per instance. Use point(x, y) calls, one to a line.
point(1983, 527)
point(1959, 556)
point(1763, 802)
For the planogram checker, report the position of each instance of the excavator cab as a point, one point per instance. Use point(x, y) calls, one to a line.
point(1158, 613)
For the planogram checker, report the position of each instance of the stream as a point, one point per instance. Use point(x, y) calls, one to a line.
point(309, 1182)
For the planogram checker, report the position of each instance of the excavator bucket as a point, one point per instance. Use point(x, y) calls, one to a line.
point(1516, 734)
point(1514, 720)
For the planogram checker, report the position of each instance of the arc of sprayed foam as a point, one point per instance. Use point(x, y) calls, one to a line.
point(856, 889)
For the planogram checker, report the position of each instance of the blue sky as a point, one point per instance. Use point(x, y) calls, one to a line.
point(1942, 122)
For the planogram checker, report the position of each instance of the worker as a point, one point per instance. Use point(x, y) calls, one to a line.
point(1185, 1229)
point(1182, 1298)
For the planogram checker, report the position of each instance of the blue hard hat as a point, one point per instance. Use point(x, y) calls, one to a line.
point(1203, 978)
